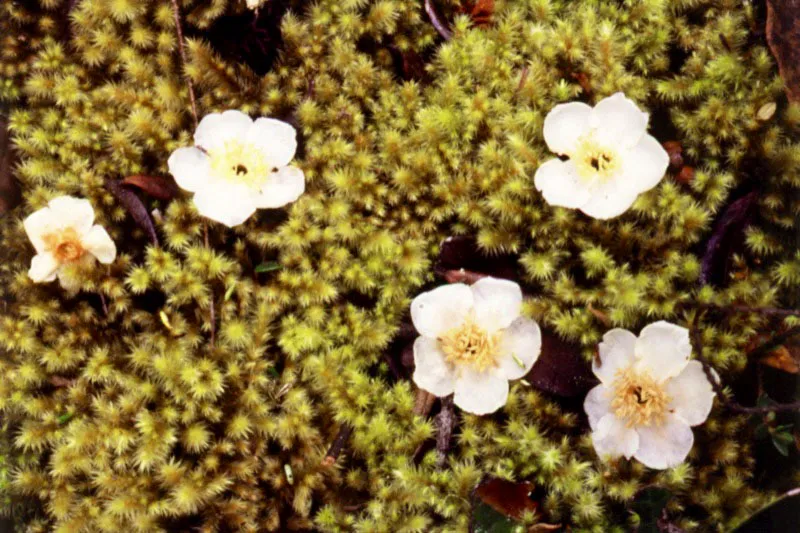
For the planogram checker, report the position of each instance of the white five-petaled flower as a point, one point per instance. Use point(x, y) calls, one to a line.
point(238, 165)
point(63, 234)
point(649, 396)
point(472, 341)
point(611, 161)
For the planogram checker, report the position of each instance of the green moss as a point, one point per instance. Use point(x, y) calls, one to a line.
point(167, 429)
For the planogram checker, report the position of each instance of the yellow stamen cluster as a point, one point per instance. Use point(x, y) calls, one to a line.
point(469, 344)
point(639, 399)
point(593, 160)
point(239, 162)
point(64, 245)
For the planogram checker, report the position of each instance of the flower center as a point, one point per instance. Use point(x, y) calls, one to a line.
point(594, 160)
point(470, 344)
point(65, 245)
point(238, 162)
point(639, 399)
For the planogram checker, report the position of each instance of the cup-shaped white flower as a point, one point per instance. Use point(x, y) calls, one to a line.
point(650, 394)
point(238, 165)
point(63, 234)
point(472, 341)
point(612, 159)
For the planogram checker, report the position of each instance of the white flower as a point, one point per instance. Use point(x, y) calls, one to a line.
point(649, 396)
point(611, 161)
point(238, 165)
point(62, 234)
point(472, 341)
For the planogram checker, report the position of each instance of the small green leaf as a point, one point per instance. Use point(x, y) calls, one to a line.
point(272, 371)
point(63, 419)
point(268, 267)
point(485, 519)
point(782, 441)
point(229, 292)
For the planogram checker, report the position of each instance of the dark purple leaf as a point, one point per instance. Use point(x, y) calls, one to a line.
point(155, 186)
point(506, 497)
point(134, 206)
point(560, 369)
point(726, 236)
point(783, 37)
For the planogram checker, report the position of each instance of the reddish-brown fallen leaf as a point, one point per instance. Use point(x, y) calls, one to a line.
point(675, 152)
point(783, 37)
point(155, 186)
point(506, 497)
point(561, 369)
point(782, 358)
point(62, 382)
point(686, 175)
point(482, 12)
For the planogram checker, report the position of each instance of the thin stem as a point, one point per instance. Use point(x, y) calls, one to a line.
point(714, 379)
point(176, 11)
point(738, 308)
point(438, 24)
point(338, 445)
point(212, 316)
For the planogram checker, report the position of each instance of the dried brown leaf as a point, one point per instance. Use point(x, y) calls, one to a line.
point(783, 37)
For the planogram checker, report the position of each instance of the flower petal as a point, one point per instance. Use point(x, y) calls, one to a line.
point(564, 125)
point(38, 224)
point(98, 243)
point(561, 185)
point(276, 140)
point(190, 167)
point(616, 353)
point(282, 187)
point(218, 128)
point(618, 121)
point(520, 347)
point(597, 404)
point(497, 303)
point(70, 212)
point(227, 204)
point(442, 309)
point(644, 165)
point(691, 393)
point(480, 393)
point(663, 350)
point(609, 199)
point(43, 268)
point(431, 371)
point(613, 438)
point(664, 446)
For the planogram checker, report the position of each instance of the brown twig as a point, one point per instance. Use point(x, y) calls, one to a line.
point(714, 379)
point(445, 421)
point(423, 403)
point(176, 11)
point(440, 27)
point(337, 445)
point(738, 308)
point(103, 303)
point(522, 78)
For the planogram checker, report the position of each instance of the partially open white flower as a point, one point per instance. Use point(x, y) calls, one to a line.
point(649, 396)
point(472, 341)
point(612, 159)
point(238, 165)
point(63, 234)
